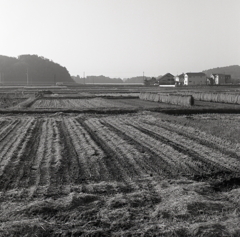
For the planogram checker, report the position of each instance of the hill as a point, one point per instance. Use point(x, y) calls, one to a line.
point(234, 71)
point(32, 70)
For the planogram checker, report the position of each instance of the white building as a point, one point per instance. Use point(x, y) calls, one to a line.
point(195, 78)
point(179, 79)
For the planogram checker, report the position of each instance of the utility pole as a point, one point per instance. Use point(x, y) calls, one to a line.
point(27, 77)
point(54, 80)
point(84, 77)
point(143, 77)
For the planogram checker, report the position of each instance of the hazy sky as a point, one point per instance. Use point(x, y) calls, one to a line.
point(124, 38)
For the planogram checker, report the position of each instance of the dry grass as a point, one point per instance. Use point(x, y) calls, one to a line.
point(146, 204)
point(183, 100)
point(220, 97)
point(170, 208)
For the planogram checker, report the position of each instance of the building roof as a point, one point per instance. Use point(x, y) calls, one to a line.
point(167, 74)
point(220, 74)
point(181, 75)
point(195, 74)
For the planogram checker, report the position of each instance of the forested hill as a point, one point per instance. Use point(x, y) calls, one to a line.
point(234, 71)
point(32, 70)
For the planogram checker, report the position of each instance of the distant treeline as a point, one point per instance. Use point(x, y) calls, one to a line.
point(103, 79)
point(32, 70)
point(234, 71)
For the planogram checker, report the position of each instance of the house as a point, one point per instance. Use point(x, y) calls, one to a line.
point(195, 78)
point(179, 79)
point(210, 81)
point(220, 79)
point(167, 79)
point(150, 82)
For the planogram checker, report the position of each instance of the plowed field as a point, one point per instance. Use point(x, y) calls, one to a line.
point(77, 103)
point(67, 175)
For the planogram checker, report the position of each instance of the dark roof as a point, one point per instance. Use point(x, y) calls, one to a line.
point(167, 74)
point(220, 74)
point(196, 74)
point(181, 75)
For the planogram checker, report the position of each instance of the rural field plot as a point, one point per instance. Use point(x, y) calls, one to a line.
point(11, 99)
point(77, 103)
point(65, 175)
point(226, 126)
point(199, 105)
point(119, 94)
point(144, 104)
point(172, 142)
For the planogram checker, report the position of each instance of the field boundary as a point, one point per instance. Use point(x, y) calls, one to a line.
point(172, 111)
point(195, 111)
point(52, 111)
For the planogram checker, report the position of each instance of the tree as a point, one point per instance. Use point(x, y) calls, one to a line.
point(40, 70)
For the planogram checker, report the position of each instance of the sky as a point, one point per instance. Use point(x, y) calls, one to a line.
point(124, 38)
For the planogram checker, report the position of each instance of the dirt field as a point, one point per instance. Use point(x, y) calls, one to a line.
point(142, 173)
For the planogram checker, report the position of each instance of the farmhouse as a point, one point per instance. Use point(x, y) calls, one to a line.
point(179, 79)
point(220, 79)
point(195, 78)
point(210, 81)
point(167, 79)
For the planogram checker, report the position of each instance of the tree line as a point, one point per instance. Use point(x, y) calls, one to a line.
point(32, 70)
